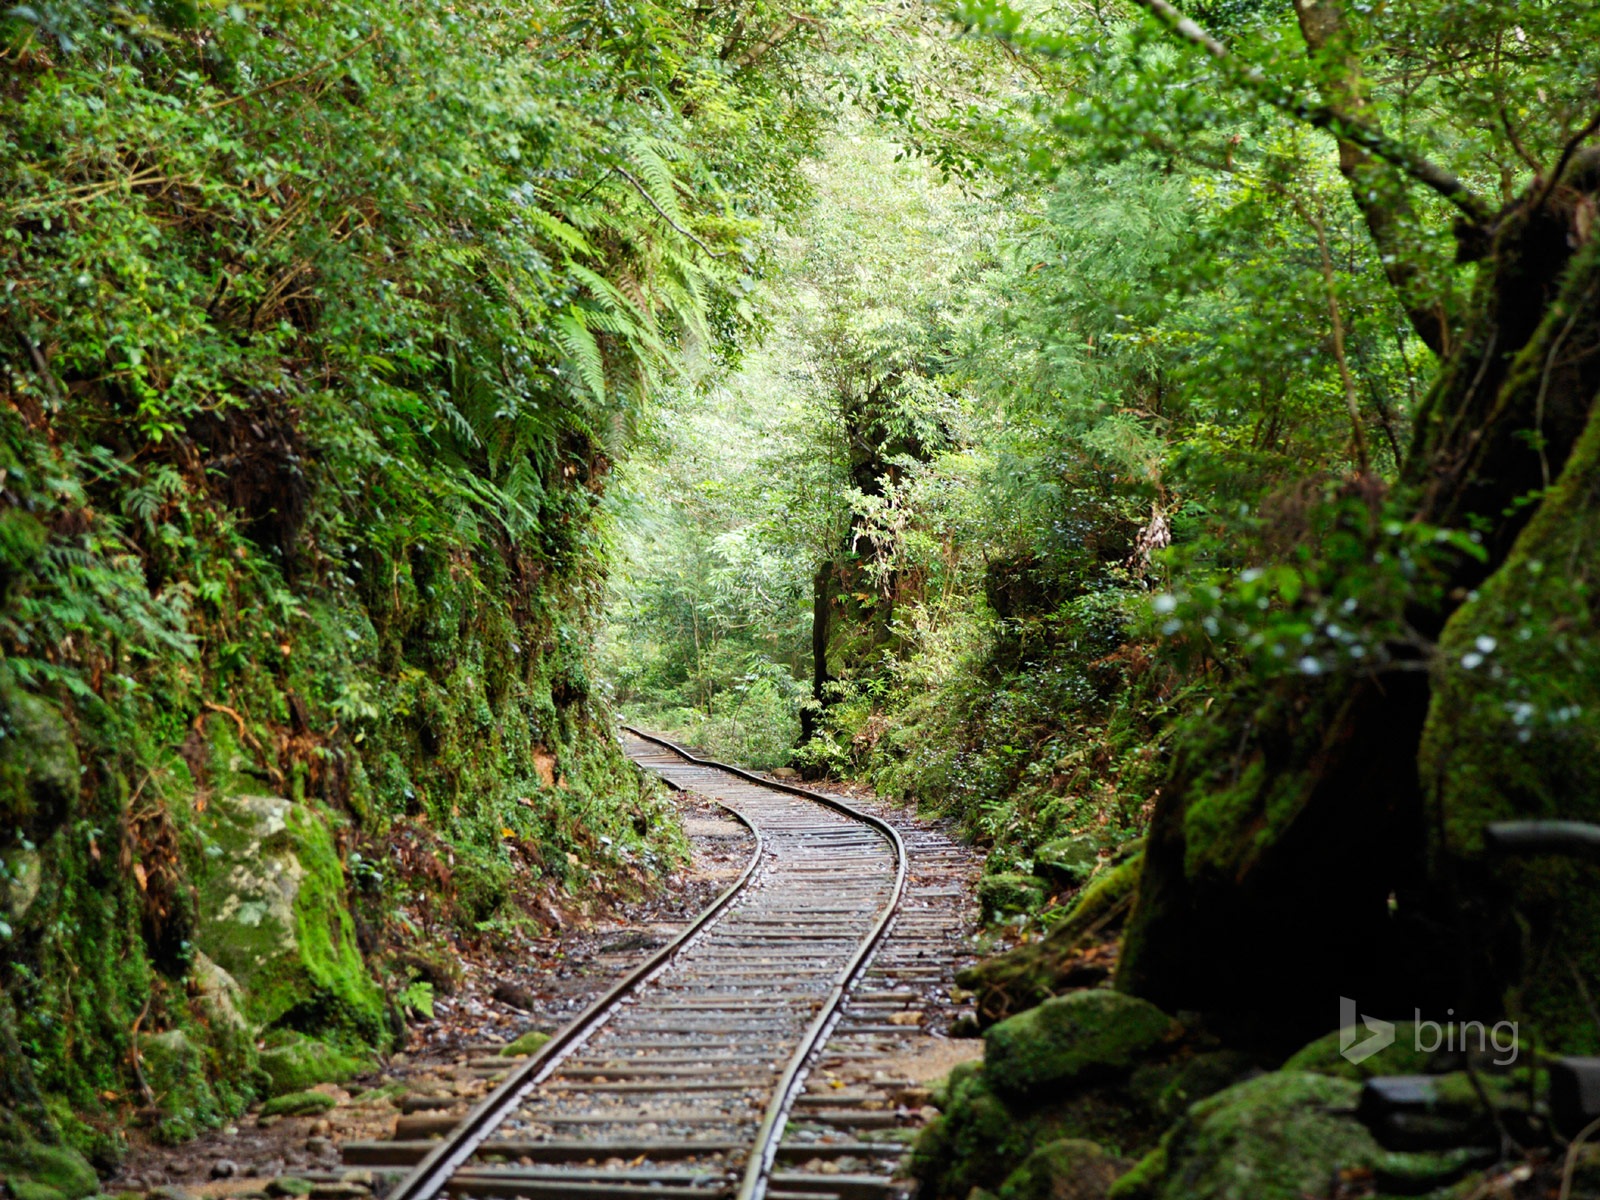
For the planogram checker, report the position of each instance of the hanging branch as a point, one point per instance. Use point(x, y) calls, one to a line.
point(640, 188)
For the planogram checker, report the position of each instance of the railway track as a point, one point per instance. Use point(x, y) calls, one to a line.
point(745, 1058)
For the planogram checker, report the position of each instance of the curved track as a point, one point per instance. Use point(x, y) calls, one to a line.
point(678, 1082)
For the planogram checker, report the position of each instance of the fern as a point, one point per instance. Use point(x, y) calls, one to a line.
point(583, 352)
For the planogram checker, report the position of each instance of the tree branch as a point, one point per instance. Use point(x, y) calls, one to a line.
point(1324, 116)
point(651, 200)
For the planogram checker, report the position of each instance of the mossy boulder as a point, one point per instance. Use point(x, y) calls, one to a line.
point(298, 1104)
point(1068, 1169)
point(24, 1161)
point(983, 1136)
point(1074, 1039)
point(273, 915)
point(1010, 893)
point(1167, 1088)
point(295, 1063)
point(1400, 1058)
point(1511, 733)
point(1283, 1136)
point(1067, 861)
point(1035, 971)
point(978, 1140)
point(529, 1043)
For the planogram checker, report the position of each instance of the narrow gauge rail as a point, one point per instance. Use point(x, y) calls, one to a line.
point(684, 1073)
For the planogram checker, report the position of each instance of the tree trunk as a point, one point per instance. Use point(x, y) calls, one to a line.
point(821, 631)
point(1288, 859)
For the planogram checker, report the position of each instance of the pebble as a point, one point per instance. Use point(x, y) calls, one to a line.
point(224, 1168)
point(321, 1127)
point(319, 1145)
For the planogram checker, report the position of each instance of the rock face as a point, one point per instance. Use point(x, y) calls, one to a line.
point(1071, 1040)
point(273, 916)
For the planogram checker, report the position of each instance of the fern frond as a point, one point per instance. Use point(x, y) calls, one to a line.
point(584, 352)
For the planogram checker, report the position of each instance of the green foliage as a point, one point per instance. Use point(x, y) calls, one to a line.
point(324, 328)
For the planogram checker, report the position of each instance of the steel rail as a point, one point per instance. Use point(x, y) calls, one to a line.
point(762, 1155)
point(431, 1176)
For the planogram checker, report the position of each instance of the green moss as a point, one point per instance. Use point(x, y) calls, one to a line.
point(1067, 1169)
point(1324, 1058)
point(174, 1068)
point(274, 916)
point(1068, 861)
point(976, 1142)
point(1074, 1039)
point(57, 1167)
point(1511, 731)
point(1142, 1182)
point(1010, 893)
point(1168, 1088)
point(1282, 1136)
point(1034, 971)
point(38, 763)
point(528, 1043)
point(27, 1189)
point(982, 1137)
point(294, 1063)
point(298, 1104)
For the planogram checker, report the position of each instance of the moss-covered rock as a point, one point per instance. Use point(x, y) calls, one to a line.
point(528, 1043)
point(1010, 893)
point(24, 1160)
point(1511, 734)
point(1400, 1058)
point(1068, 1169)
point(982, 1137)
point(1167, 1088)
point(174, 1069)
point(1067, 861)
point(295, 1063)
point(1282, 1136)
point(1071, 1040)
point(1034, 971)
point(38, 763)
point(273, 915)
point(298, 1104)
point(978, 1140)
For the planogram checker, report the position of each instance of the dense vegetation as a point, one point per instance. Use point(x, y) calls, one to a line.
point(1165, 447)
point(323, 326)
